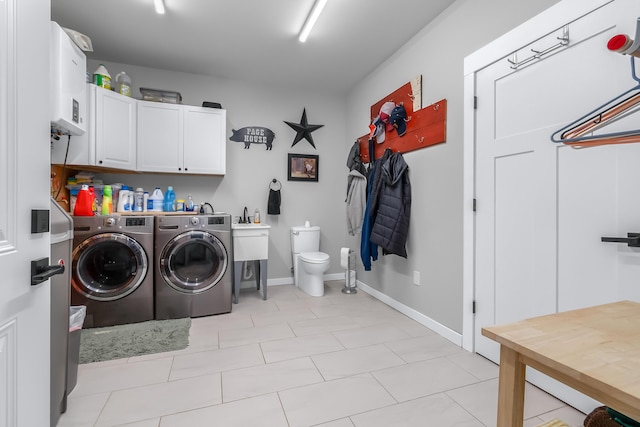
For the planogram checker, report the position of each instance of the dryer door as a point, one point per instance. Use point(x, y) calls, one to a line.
point(193, 262)
point(108, 266)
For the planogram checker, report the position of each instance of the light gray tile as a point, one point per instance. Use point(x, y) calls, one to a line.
point(210, 362)
point(343, 422)
point(436, 410)
point(154, 422)
point(421, 379)
point(424, 348)
point(83, 411)
point(147, 402)
point(332, 400)
point(264, 379)
point(481, 400)
point(476, 365)
point(377, 334)
point(261, 411)
point(122, 376)
point(293, 348)
point(322, 325)
point(209, 324)
point(254, 335)
point(356, 361)
point(291, 315)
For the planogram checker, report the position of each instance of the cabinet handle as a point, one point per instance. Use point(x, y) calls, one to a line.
point(179, 169)
point(100, 161)
point(186, 169)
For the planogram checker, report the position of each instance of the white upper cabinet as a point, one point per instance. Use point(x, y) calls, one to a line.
point(110, 139)
point(115, 130)
point(181, 139)
point(204, 140)
point(160, 137)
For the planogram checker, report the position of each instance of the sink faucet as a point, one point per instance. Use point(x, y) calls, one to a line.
point(244, 215)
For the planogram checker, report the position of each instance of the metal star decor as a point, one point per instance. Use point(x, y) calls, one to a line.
point(303, 129)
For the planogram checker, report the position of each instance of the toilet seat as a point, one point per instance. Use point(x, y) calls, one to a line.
point(314, 257)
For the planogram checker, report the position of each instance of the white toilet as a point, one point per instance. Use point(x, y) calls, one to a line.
point(309, 265)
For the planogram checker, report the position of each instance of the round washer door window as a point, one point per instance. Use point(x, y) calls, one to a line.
point(108, 266)
point(193, 262)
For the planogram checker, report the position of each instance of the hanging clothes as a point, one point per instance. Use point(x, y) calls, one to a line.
point(369, 249)
point(273, 203)
point(354, 162)
point(356, 201)
point(391, 225)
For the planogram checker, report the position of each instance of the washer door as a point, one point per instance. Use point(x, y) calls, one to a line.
point(108, 266)
point(193, 262)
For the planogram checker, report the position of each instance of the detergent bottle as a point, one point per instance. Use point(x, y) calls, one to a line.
point(83, 202)
point(156, 200)
point(124, 199)
point(107, 200)
point(169, 200)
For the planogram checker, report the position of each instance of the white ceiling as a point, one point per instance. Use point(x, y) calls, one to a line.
point(251, 40)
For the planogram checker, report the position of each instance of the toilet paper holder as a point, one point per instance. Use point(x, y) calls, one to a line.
point(348, 262)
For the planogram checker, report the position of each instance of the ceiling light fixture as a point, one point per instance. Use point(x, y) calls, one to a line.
point(311, 19)
point(159, 4)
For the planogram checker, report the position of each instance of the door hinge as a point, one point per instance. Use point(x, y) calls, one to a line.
point(473, 307)
point(475, 102)
point(474, 205)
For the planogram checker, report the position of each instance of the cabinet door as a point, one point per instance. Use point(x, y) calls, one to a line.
point(115, 130)
point(160, 137)
point(204, 140)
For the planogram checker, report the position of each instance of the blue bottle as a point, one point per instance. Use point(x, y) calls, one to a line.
point(169, 200)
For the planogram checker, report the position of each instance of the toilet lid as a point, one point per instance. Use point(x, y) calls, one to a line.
point(314, 257)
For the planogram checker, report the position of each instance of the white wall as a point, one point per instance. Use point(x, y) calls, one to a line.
point(249, 172)
point(436, 240)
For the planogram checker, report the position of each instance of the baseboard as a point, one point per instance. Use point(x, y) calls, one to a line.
point(436, 327)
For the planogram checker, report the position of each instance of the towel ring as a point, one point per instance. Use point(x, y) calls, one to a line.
point(275, 185)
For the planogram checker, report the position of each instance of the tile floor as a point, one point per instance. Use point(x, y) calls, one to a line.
point(294, 360)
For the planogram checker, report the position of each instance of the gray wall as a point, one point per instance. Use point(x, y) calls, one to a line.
point(435, 243)
point(249, 172)
point(436, 240)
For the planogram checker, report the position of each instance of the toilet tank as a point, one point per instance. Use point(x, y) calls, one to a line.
point(305, 239)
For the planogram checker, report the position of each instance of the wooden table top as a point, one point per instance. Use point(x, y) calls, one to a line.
point(598, 347)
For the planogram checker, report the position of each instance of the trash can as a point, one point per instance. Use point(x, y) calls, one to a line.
point(76, 319)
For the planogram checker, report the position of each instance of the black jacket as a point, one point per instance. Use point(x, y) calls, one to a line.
point(391, 225)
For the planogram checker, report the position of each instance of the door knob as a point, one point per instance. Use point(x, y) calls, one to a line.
point(41, 270)
point(632, 239)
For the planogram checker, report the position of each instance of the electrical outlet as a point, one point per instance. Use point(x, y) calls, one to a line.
point(416, 277)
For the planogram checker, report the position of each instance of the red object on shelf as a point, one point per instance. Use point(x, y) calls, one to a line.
point(84, 202)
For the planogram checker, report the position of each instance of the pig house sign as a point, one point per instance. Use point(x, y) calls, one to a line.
point(253, 135)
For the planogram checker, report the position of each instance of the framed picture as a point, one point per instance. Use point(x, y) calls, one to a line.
point(303, 167)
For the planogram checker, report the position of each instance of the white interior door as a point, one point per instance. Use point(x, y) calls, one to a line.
point(543, 207)
point(24, 185)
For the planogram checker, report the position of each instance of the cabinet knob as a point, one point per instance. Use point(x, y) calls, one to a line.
point(179, 169)
point(100, 161)
point(186, 169)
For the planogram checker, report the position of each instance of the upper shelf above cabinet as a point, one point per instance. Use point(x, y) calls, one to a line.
point(181, 139)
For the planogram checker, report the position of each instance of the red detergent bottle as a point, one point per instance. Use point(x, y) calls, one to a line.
point(84, 202)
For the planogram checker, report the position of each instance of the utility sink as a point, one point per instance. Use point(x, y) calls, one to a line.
point(249, 225)
point(250, 241)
